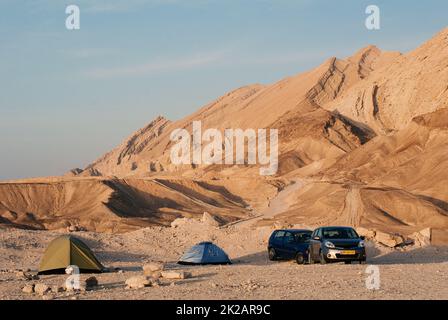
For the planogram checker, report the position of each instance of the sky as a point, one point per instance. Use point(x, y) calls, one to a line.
point(68, 96)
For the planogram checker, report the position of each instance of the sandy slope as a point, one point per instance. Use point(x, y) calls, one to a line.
point(120, 205)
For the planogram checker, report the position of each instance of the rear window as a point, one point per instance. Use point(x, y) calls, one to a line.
point(339, 233)
point(302, 236)
point(279, 234)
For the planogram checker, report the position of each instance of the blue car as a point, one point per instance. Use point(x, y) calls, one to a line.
point(288, 244)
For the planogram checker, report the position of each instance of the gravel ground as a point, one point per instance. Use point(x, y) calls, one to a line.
point(414, 273)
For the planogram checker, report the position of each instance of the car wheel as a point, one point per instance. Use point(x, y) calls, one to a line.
point(348, 262)
point(300, 259)
point(363, 261)
point(272, 254)
point(322, 258)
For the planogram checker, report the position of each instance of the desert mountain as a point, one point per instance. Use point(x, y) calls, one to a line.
point(308, 132)
point(364, 140)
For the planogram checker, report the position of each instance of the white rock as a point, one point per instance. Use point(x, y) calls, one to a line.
point(138, 282)
point(29, 288)
point(176, 274)
point(41, 288)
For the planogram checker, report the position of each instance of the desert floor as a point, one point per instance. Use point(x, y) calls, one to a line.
point(419, 273)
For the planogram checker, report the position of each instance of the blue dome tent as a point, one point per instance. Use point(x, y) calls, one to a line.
point(205, 253)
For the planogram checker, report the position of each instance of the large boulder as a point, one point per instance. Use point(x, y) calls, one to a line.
point(422, 238)
point(367, 233)
point(389, 240)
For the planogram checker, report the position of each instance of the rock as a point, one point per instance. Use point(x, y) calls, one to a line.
point(388, 240)
point(282, 225)
point(48, 297)
point(176, 274)
point(210, 220)
point(138, 282)
point(156, 275)
point(75, 228)
point(22, 275)
point(150, 268)
point(426, 233)
point(181, 222)
point(91, 282)
point(57, 289)
point(367, 233)
point(155, 282)
point(41, 288)
point(69, 287)
point(29, 288)
point(422, 238)
point(72, 229)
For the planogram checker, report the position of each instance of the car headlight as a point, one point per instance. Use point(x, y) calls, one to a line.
point(361, 244)
point(329, 244)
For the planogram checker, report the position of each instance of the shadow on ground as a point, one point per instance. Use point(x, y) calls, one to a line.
point(255, 259)
point(416, 256)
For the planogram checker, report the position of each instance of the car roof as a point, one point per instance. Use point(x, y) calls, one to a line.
point(335, 227)
point(294, 230)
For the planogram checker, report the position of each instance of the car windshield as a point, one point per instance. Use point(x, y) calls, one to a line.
point(302, 236)
point(339, 233)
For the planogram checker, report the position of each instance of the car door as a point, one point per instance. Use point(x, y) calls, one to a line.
point(289, 247)
point(315, 244)
point(277, 243)
point(311, 243)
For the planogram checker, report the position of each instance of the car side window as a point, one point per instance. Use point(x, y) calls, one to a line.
point(289, 237)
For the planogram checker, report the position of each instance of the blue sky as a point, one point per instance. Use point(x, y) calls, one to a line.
point(69, 96)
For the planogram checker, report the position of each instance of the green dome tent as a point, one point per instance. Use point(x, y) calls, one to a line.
point(205, 253)
point(65, 251)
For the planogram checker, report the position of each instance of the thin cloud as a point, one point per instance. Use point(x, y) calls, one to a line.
point(101, 6)
point(157, 66)
point(87, 53)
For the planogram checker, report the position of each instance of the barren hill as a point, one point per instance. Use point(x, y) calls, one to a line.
point(365, 136)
